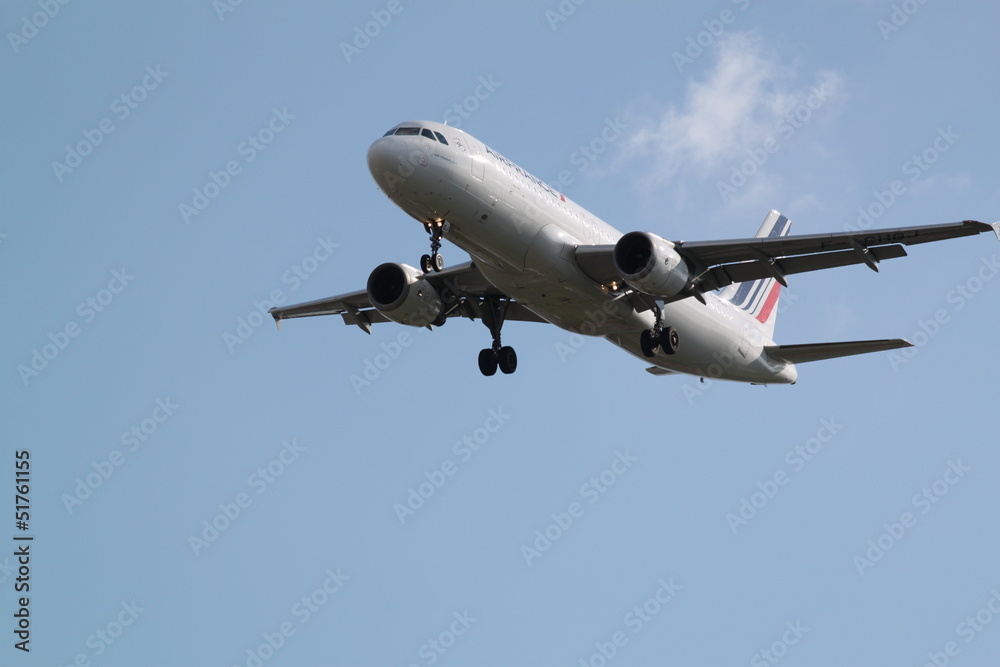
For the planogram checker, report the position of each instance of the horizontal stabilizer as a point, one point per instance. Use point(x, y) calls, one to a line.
point(797, 354)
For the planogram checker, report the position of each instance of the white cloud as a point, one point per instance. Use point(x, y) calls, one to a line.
point(933, 185)
point(741, 103)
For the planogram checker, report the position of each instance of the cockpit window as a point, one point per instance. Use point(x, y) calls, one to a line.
point(433, 135)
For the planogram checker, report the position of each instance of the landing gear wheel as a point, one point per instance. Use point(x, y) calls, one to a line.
point(648, 343)
point(507, 360)
point(493, 312)
point(434, 261)
point(487, 362)
point(669, 340)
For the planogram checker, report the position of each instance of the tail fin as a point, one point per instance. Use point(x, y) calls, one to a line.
point(759, 298)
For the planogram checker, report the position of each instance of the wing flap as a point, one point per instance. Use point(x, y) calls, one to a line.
point(798, 354)
point(711, 253)
point(726, 274)
point(721, 263)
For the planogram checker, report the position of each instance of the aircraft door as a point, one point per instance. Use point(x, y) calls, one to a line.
point(478, 159)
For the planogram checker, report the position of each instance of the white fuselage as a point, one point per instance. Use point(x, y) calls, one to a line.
point(522, 235)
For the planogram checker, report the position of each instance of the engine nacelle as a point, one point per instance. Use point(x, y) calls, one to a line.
point(402, 294)
point(649, 264)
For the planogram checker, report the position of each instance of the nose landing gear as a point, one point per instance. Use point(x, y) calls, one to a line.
point(433, 261)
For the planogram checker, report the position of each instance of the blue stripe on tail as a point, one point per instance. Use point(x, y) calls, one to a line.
point(758, 298)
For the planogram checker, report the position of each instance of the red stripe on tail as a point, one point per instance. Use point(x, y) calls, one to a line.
point(772, 299)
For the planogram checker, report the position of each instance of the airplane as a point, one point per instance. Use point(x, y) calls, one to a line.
point(537, 256)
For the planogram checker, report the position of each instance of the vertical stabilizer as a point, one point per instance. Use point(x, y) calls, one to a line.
point(759, 298)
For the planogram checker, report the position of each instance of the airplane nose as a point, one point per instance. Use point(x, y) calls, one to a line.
point(383, 159)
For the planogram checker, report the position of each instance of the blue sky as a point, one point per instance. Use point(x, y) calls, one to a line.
point(198, 500)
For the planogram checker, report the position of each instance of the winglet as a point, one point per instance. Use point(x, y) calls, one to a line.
point(996, 229)
point(276, 316)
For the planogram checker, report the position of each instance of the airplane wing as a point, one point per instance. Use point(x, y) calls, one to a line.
point(463, 288)
point(719, 263)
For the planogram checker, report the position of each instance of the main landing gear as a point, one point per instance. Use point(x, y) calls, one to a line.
point(497, 356)
point(433, 261)
point(659, 338)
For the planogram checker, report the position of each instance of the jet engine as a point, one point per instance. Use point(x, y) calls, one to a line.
point(402, 294)
point(649, 264)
